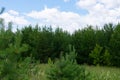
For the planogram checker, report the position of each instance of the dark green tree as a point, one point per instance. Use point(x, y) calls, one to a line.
point(40, 41)
point(30, 36)
point(6, 36)
point(60, 42)
point(10, 57)
point(45, 44)
point(115, 46)
point(108, 31)
point(84, 42)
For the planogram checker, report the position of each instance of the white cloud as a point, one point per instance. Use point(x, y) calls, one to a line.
point(13, 12)
point(13, 16)
point(52, 16)
point(100, 11)
point(86, 4)
point(98, 15)
point(110, 3)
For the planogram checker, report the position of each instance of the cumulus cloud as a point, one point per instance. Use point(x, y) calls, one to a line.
point(15, 17)
point(52, 16)
point(110, 3)
point(100, 11)
point(98, 15)
point(13, 12)
point(86, 4)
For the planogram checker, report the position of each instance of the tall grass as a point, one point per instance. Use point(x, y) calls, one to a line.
point(98, 73)
point(104, 73)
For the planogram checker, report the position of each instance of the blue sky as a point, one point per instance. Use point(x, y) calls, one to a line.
point(67, 14)
point(29, 5)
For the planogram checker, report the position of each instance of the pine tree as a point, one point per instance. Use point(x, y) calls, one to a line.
point(66, 68)
point(10, 60)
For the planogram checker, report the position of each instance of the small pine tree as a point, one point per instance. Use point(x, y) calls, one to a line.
point(96, 55)
point(10, 64)
point(66, 68)
point(100, 56)
point(107, 58)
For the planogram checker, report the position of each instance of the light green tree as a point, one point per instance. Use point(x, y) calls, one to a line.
point(66, 68)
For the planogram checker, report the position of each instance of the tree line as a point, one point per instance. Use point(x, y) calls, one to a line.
point(93, 46)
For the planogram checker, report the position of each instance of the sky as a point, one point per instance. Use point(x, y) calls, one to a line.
point(69, 15)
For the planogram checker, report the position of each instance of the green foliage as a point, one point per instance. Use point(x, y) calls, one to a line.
point(84, 42)
point(61, 40)
point(96, 54)
point(44, 43)
point(11, 68)
point(66, 68)
point(25, 68)
point(17, 50)
point(107, 58)
point(6, 36)
point(100, 37)
point(115, 46)
point(104, 73)
point(100, 57)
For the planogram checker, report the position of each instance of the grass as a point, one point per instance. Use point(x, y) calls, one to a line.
point(98, 73)
point(104, 73)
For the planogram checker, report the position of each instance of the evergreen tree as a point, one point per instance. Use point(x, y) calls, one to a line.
point(60, 42)
point(66, 68)
point(100, 56)
point(115, 46)
point(10, 57)
point(84, 42)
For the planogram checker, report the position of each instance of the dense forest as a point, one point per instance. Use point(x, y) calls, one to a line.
point(93, 46)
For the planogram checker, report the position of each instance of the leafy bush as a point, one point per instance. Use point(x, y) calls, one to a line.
point(66, 68)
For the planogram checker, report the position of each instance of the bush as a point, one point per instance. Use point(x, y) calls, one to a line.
point(66, 68)
point(100, 56)
point(96, 55)
point(12, 67)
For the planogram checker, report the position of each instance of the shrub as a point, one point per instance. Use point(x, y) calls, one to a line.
point(11, 67)
point(66, 68)
point(107, 58)
point(96, 55)
point(100, 56)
